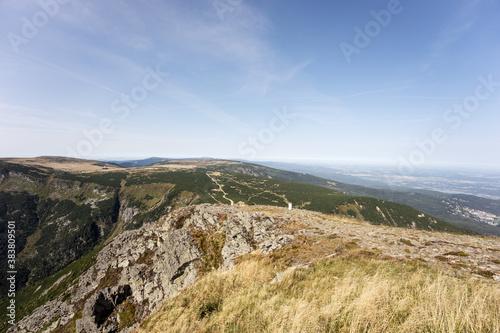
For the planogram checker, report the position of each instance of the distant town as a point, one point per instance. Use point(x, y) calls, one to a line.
point(456, 207)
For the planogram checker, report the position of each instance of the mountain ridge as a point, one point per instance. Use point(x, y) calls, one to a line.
point(99, 227)
point(457, 209)
point(69, 211)
point(162, 259)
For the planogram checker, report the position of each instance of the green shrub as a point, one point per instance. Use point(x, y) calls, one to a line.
point(127, 316)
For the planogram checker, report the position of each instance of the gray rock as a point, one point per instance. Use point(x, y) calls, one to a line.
point(98, 310)
point(270, 246)
point(44, 315)
point(147, 266)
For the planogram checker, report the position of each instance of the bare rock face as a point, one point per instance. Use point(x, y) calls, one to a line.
point(140, 269)
point(97, 310)
point(59, 313)
point(128, 213)
point(243, 232)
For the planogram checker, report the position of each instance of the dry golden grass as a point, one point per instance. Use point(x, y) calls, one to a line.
point(65, 164)
point(356, 293)
point(186, 165)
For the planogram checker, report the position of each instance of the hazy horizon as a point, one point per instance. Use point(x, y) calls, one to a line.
point(307, 162)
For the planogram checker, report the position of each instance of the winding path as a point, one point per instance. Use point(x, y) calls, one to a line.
point(220, 189)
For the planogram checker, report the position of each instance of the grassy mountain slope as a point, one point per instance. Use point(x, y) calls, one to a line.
point(449, 207)
point(253, 184)
point(63, 211)
point(330, 273)
point(359, 292)
point(441, 205)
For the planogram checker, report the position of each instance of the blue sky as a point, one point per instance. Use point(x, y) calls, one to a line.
point(276, 80)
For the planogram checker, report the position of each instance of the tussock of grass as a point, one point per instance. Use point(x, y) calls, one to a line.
point(211, 245)
point(356, 293)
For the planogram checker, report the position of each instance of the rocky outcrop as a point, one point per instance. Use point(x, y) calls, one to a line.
point(244, 232)
point(127, 213)
point(49, 316)
point(270, 246)
point(142, 268)
point(98, 309)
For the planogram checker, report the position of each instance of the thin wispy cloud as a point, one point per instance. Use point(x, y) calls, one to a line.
point(202, 107)
point(261, 79)
point(373, 92)
point(77, 76)
point(459, 25)
point(26, 117)
point(449, 36)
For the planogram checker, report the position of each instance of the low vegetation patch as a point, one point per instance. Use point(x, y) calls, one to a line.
point(210, 244)
point(146, 258)
point(111, 278)
point(456, 253)
point(127, 316)
point(406, 242)
point(50, 323)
